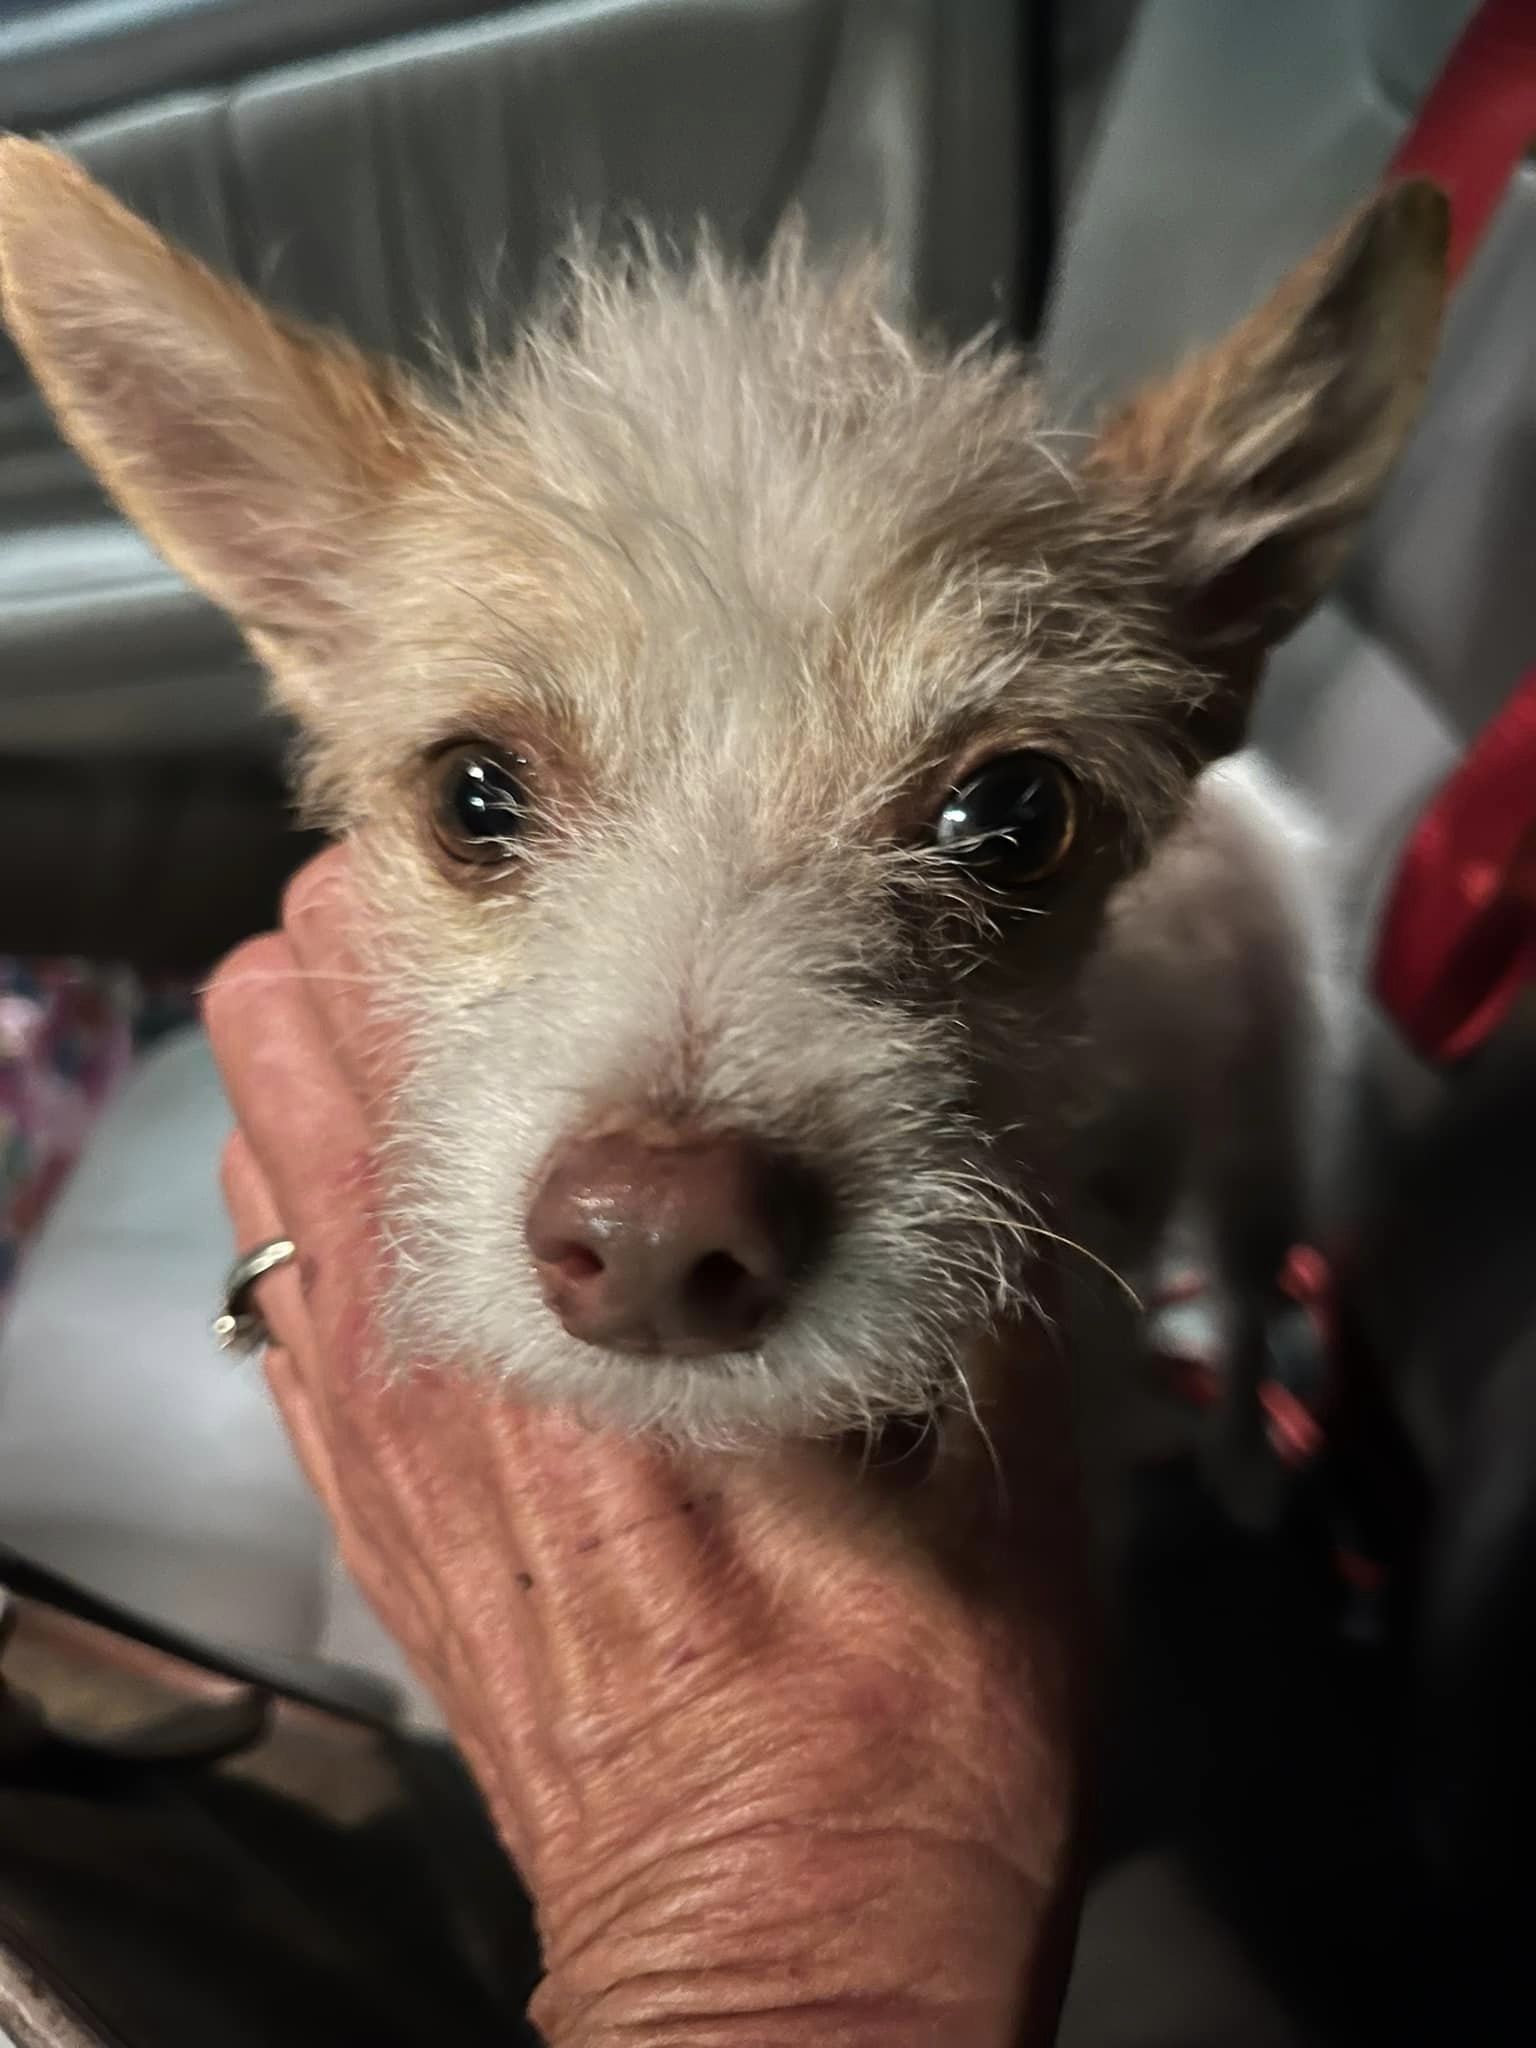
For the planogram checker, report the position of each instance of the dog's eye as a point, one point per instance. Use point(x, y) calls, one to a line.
point(1013, 822)
point(479, 805)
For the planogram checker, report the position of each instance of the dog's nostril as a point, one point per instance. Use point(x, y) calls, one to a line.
point(575, 1262)
point(720, 1283)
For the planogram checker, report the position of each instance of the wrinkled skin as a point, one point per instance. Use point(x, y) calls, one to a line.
point(785, 1747)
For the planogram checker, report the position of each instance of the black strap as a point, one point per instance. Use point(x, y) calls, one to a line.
point(353, 1695)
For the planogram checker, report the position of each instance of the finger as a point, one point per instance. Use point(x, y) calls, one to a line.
point(257, 1221)
point(321, 921)
point(293, 1391)
point(300, 1388)
point(291, 1099)
point(290, 1360)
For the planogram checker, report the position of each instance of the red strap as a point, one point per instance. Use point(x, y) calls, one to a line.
point(1478, 121)
point(1458, 941)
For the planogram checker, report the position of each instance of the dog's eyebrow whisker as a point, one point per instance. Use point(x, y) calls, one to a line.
point(478, 597)
point(481, 663)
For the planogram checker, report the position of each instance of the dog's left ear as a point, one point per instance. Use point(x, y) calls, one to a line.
point(251, 451)
point(1252, 468)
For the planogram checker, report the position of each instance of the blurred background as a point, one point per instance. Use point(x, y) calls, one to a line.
point(1317, 1817)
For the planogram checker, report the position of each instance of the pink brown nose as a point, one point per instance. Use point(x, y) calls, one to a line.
point(680, 1248)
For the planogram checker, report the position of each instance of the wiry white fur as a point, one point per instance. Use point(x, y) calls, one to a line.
point(723, 534)
point(718, 534)
point(741, 1004)
point(751, 578)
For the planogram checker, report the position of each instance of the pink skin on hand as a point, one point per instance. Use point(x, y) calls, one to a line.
point(785, 1752)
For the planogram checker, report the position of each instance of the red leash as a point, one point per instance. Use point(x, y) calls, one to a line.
point(1458, 942)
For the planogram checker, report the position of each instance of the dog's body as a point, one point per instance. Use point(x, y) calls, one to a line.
point(1218, 1013)
point(776, 764)
point(1212, 1012)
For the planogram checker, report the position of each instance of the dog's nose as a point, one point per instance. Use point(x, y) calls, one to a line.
point(678, 1248)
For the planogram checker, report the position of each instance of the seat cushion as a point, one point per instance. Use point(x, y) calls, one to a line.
point(399, 188)
point(134, 1456)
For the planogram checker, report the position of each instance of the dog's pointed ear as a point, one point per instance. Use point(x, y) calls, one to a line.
point(250, 452)
point(1252, 468)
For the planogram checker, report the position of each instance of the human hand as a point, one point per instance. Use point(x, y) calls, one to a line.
point(786, 1744)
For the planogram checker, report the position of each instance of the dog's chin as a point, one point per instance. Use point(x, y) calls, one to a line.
point(813, 1376)
point(724, 1401)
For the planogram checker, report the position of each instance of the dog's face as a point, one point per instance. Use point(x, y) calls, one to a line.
point(742, 717)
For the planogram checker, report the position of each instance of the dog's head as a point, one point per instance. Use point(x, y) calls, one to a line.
point(742, 715)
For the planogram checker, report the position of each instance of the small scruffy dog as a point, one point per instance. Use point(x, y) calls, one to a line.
point(776, 763)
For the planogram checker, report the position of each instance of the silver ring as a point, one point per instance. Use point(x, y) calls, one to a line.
point(241, 1326)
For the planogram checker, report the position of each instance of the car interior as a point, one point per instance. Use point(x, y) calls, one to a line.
point(1315, 1818)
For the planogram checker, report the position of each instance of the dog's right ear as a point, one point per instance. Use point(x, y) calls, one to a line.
point(250, 451)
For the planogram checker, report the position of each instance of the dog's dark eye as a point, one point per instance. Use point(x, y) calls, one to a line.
point(1012, 823)
point(479, 804)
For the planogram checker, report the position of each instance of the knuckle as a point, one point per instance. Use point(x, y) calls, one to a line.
point(242, 974)
point(313, 889)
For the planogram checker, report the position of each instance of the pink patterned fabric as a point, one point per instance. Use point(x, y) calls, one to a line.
point(68, 1034)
